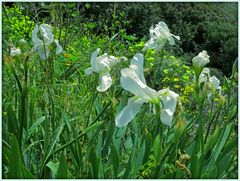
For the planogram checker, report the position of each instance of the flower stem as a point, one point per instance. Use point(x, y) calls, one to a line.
point(200, 102)
point(155, 66)
point(158, 125)
point(201, 126)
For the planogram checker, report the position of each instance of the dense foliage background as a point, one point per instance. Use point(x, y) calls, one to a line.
point(64, 128)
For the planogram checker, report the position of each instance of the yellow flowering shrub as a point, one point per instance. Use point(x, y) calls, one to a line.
point(178, 77)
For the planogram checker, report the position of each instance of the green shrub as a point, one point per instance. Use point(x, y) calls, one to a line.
point(16, 24)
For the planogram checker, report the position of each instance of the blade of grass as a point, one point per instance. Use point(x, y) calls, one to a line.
point(63, 168)
point(114, 159)
point(89, 129)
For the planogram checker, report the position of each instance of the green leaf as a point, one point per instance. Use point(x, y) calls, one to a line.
point(179, 129)
point(213, 172)
point(196, 160)
point(70, 71)
point(223, 164)
point(91, 25)
point(55, 139)
point(128, 167)
point(231, 145)
point(196, 165)
point(129, 171)
point(53, 167)
point(226, 84)
point(27, 174)
point(140, 155)
point(94, 161)
point(87, 5)
point(234, 67)
point(114, 159)
point(67, 121)
point(224, 138)
point(118, 135)
point(62, 169)
point(5, 155)
point(88, 129)
point(100, 169)
point(233, 112)
point(212, 140)
point(148, 142)
point(93, 127)
point(99, 143)
point(37, 123)
point(15, 163)
point(12, 121)
point(108, 137)
point(190, 148)
point(157, 148)
point(129, 37)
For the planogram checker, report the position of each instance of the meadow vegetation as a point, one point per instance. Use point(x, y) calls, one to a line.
point(119, 90)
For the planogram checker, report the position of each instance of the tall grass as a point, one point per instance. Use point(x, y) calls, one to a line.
point(57, 125)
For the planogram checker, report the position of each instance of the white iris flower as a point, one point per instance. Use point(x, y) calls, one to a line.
point(42, 37)
point(215, 83)
point(201, 60)
point(102, 65)
point(159, 35)
point(206, 78)
point(15, 51)
point(132, 80)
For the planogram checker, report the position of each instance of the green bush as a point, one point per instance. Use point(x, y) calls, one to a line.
point(15, 25)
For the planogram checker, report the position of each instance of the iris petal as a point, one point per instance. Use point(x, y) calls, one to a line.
point(169, 100)
point(94, 59)
point(59, 49)
point(129, 111)
point(137, 66)
point(113, 61)
point(214, 82)
point(35, 39)
point(105, 82)
point(132, 83)
point(201, 59)
point(89, 71)
point(46, 32)
point(149, 44)
point(43, 52)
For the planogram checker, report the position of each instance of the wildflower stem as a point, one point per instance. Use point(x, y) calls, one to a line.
point(201, 126)
point(199, 101)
